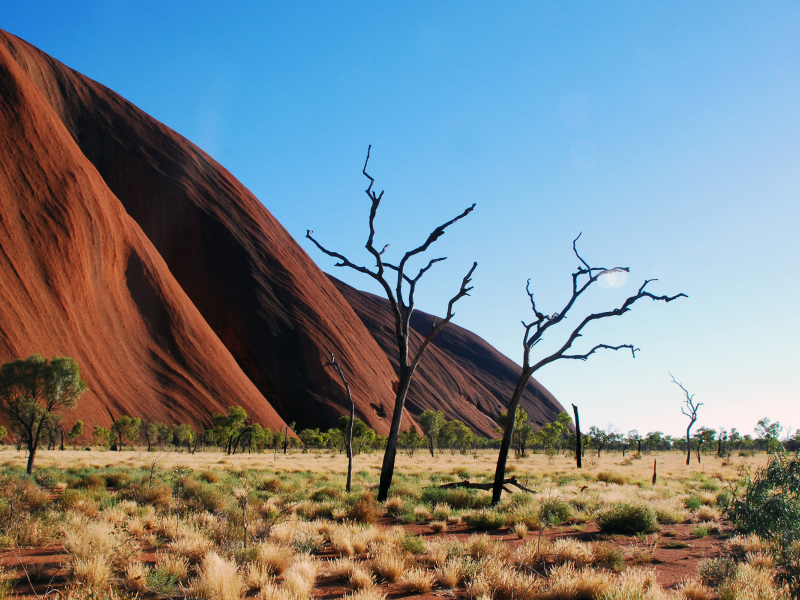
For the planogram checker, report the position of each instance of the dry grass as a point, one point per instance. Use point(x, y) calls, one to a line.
point(91, 571)
point(274, 557)
point(361, 579)
point(387, 563)
point(172, 565)
point(300, 578)
point(136, 574)
point(438, 526)
point(218, 578)
point(418, 580)
point(693, 589)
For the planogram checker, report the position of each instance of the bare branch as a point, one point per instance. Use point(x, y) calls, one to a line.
point(599, 347)
point(343, 261)
point(437, 327)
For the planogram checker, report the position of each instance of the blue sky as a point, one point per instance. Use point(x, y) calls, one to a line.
point(668, 134)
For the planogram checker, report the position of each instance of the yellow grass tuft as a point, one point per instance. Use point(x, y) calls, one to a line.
point(449, 574)
point(387, 563)
point(693, 589)
point(172, 565)
point(418, 580)
point(361, 579)
point(438, 526)
point(91, 571)
point(218, 578)
point(300, 578)
point(135, 575)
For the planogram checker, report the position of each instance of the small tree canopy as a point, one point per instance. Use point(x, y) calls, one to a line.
point(33, 393)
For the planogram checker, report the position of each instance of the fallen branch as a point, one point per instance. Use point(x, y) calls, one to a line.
point(486, 486)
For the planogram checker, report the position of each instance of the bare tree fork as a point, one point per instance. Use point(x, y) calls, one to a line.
point(333, 363)
point(402, 305)
point(689, 409)
point(487, 486)
point(582, 279)
point(578, 444)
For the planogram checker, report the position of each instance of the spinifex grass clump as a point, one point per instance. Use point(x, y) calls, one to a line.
point(628, 518)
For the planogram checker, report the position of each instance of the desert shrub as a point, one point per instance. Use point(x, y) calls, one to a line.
point(555, 510)
point(158, 497)
point(709, 485)
point(413, 544)
point(116, 479)
point(418, 580)
point(723, 499)
point(365, 510)
point(218, 578)
point(457, 498)
point(89, 482)
point(609, 557)
point(324, 494)
point(693, 503)
point(628, 518)
point(36, 498)
point(206, 497)
point(768, 502)
point(700, 531)
point(209, 477)
point(612, 477)
point(716, 571)
point(485, 518)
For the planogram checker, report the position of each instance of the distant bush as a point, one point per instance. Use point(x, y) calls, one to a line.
point(611, 477)
point(693, 503)
point(90, 482)
point(116, 479)
point(628, 519)
point(209, 477)
point(456, 497)
point(324, 494)
point(485, 518)
point(555, 510)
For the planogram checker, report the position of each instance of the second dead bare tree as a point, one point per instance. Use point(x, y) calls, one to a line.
point(401, 300)
point(690, 410)
point(583, 277)
point(332, 363)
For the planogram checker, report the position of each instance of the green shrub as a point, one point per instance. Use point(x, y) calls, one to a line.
point(116, 479)
point(555, 510)
point(716, 571)
point(693, 503)
point(700, 531)
point(412, 543)
point(609, 557)
point(485, 518)
point(324, 494)
point(458, 498)
point(628, 519)
point(723, 499)
point(198, 496)
point(90, 482)
point(709, 485)
point(768, 502)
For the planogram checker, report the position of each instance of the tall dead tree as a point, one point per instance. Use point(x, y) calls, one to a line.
point(690, 410)
point(583, 277)
point(332, 363)
point(401, 300)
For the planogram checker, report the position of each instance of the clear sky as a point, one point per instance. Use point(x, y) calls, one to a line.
point(668, 133)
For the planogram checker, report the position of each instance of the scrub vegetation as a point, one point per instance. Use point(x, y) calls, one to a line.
point(208, 525)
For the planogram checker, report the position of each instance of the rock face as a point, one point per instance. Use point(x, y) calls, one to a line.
point(263, 297)
point(79, 278)
point(125, 246)
point(459, 374)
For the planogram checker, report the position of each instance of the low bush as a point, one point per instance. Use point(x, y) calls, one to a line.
point(609, 557)
point(716, 571)
point(611, 477)
point(693, 503)
point(365, 510)
point(555, 510)
point(457, 498)
point(485, 518)
point(628, 518)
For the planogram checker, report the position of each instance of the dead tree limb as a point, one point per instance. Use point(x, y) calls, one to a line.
point(401, 301)
point(487, 486)
point(332, 363)
point(582, 279)
point(690, 410)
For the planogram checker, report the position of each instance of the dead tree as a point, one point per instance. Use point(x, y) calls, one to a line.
point(690, 410)
point(583, 277)
point(402, 304)
point(332, 363)
point(578, 443)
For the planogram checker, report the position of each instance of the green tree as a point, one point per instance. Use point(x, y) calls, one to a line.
point(653, 440)
point(158, 434)
point(431, 422)
point(768, 434)
point(227, 428)
point(126, 429)
point(523, 432)
point(35, 391)
point(184, 434)
point(598, 438)
point(411, 440)
point(101, 436)
point(76, 431)
point(312, 438)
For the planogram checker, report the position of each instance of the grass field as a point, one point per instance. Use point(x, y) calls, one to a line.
point(167, 524)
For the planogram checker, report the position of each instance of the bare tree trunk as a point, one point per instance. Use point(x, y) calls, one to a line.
point(387, 467)
point(31, 457)
point(578, 443)
point(688, 446)
point(508, 434)
point(332, 362)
